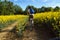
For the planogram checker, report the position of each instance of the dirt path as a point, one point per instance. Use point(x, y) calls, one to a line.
point(29, 35)
point(41, 33)
point(6, 31)
point(36, 34)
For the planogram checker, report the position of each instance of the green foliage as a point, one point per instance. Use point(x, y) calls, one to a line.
point(8, 8)
point(21, 25)
point(18, 10)
point(57, 8)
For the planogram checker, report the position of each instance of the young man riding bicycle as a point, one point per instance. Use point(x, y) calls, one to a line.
point(31, 15)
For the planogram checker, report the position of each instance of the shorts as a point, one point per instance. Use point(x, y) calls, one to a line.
point(30, 16)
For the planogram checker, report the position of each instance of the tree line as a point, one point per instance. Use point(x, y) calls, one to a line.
point(8, 8)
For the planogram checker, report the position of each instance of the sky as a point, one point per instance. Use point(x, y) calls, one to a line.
point(36, 3)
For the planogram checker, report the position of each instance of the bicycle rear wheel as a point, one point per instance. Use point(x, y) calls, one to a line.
point(31, 23)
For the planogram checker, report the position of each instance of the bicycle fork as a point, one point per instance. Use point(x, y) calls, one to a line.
point(31, 23)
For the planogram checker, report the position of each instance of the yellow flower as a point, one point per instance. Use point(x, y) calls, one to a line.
point(54, 18)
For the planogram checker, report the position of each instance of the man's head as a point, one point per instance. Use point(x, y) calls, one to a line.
point(29, 7)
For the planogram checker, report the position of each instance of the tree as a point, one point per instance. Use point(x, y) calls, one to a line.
point(50, 9)
point(47, 9)
point(57, 8)
point(0, 0)
point(6, 8)
point(18, 9)
point(42, 9)
point(0, 6)
point(39, 10)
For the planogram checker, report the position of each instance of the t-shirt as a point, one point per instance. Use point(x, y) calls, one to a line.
point(31, 11)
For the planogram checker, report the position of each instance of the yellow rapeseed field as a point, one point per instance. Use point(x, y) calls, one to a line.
point(52, 19)
point(7, 20)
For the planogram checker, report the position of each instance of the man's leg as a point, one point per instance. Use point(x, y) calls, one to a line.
point(31, 22)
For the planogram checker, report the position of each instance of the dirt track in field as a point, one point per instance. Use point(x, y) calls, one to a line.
point(35, 34)
point(6, 33)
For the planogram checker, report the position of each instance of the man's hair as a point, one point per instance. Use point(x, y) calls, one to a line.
point(29, 7)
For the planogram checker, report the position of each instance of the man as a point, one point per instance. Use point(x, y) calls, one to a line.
point(31, 14)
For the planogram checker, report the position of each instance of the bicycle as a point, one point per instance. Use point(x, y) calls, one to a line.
point(31, 22)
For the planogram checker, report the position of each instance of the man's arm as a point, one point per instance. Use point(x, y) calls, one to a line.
point(28, 12)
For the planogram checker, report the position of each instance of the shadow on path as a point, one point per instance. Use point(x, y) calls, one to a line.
point(43, 33)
